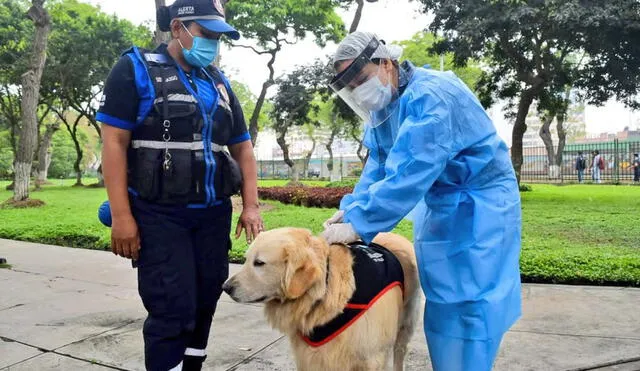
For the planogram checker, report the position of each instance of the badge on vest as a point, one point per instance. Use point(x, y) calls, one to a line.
point(224, 100)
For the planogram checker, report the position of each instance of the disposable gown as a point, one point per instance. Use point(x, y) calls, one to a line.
point(439, 157)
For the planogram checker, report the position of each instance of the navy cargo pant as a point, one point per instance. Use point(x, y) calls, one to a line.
point(182, 265)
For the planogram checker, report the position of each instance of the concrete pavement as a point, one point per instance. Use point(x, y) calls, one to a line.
point(71, 309)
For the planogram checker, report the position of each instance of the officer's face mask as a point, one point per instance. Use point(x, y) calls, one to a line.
point(203, 51)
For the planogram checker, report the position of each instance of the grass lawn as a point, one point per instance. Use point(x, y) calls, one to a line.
point(578, 234)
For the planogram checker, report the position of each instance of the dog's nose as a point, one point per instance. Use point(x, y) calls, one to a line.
point(228, 287)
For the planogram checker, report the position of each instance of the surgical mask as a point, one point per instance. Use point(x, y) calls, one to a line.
point(203, 51)
point(373, 94)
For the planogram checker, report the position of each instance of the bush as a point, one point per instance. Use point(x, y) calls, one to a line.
point(525, 188)
point(343, 183)
point(307, 196)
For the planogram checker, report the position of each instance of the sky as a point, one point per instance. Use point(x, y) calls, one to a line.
point(392, 20)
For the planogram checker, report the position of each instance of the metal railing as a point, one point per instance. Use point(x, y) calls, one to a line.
point(316, 168)
point(617, 155)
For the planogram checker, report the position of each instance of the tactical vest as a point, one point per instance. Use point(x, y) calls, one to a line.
point(376, 271)
point(177, 154)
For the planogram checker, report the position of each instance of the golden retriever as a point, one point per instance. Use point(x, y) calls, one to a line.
point(305, 283)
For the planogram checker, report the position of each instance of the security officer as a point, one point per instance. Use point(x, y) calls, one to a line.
point(176, 147)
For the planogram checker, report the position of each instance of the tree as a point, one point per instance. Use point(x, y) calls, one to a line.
point(419, 50)
point(294, 104)
point(357, 16)
point(14, 53)
point(248, 102)
point(45, 152)
point(529, 45)
point(610, 32)
point(84, 46)
point(30, 98)
point(272, 24)
point(159, 36)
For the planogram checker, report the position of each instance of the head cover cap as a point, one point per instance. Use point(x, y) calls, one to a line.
point(209, 14)
point(354, 44)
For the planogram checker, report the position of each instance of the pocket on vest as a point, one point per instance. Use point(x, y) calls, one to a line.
point(177, 181)
point(228, 177)
point(148, 164)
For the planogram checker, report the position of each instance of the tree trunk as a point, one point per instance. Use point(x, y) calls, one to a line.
point(44, 154)
point(100, 177)
point(545, 135)
point(357, 17)
point(91, 116)
point(562, 132)
point(329, 148)
point(361, 156)
point(30, 98)
point(519, 128)
point(282, 142)
point(79, 153)
point(255, 116)
point(307, 159)
point(562, 140)
point(161, 37)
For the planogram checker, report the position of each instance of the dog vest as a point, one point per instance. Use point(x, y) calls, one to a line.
point(376, 271)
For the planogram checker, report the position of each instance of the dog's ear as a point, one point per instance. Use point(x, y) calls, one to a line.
point(301, 270)
point(298, 281)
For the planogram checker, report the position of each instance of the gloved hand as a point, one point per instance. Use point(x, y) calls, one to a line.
point(340, 233)
point(338, 217)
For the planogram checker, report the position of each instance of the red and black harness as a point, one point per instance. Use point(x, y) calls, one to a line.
point(376, 271)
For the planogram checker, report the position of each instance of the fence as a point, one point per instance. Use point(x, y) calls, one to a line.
point(317, 168)
point(618, 157)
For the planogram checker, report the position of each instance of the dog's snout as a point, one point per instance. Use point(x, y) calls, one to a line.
point(228, 287)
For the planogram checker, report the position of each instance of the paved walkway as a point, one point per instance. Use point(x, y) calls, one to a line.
point(70, 309)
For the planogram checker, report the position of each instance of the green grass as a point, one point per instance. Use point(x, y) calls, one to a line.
point(578, 234)
point(581, 234)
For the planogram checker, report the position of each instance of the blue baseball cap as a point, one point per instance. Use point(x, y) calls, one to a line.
point(209, 14)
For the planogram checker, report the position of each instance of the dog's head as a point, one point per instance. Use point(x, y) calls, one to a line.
point(281, 264)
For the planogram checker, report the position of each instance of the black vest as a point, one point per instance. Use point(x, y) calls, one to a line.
point(177, 154)
point(376, 271)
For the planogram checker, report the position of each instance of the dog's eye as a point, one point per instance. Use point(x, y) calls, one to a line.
point(258, 263)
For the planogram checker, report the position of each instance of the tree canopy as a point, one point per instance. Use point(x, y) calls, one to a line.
point(530, 47)
point(270, 25)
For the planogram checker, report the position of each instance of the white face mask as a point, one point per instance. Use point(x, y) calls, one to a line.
point(373, 95)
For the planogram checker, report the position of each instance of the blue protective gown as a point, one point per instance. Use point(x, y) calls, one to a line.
point(439, 156)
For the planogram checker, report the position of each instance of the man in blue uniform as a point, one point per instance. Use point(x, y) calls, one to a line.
point(176, 148)
point(435, 153)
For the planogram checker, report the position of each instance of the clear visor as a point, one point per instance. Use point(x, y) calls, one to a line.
point(362, 87)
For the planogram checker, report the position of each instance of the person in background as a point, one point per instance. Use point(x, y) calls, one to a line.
point(581, 165)
point(597, 165)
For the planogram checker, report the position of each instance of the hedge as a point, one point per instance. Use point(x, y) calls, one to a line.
point(306, 196)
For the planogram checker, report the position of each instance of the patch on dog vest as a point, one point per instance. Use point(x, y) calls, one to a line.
point(376, 271)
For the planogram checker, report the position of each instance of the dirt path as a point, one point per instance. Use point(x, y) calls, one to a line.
point(237, 205)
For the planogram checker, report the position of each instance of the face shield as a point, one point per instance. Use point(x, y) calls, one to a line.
point(366, 86)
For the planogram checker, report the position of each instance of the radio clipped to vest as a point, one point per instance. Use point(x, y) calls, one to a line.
point(175, 157)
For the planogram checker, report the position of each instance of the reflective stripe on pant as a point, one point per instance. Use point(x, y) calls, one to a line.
point(183, 264)
point(455, 354)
